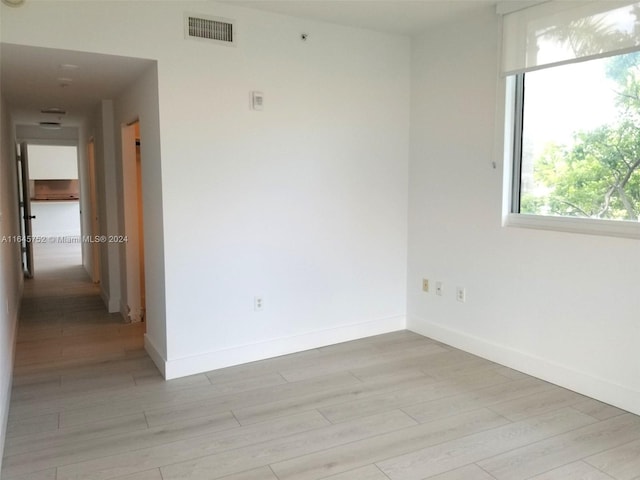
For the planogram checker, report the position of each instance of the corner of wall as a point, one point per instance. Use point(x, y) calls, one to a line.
point(180, 367)
point(157, 357)
point(547, 370)
point(112, 303)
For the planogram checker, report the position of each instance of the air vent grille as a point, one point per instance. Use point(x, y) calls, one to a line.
point(207, 28)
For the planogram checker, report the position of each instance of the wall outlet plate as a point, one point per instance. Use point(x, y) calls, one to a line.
point(425, 285)
point(258, 304)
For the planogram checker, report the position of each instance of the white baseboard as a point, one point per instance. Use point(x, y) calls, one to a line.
point(155, 355)
point(124, 311)
point(184, 366)
point(558, 374)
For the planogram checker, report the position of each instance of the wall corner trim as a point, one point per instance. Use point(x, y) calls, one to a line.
point(181, 367)
point(112, 304)
point(620, 396)
point(157, 358)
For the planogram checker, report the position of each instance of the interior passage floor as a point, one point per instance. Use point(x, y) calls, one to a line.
point(88, 403)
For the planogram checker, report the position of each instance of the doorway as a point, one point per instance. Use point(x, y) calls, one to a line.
point(122, 89)
point(50, 205)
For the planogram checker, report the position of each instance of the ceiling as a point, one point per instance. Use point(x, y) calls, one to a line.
point(35, 78)
point(406, 17)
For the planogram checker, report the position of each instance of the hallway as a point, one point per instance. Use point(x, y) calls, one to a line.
point(63, 320)
point(67, 346)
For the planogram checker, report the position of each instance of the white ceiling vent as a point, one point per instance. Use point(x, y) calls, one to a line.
point(212, 29)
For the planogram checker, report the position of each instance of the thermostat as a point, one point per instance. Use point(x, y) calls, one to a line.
point(257, 100)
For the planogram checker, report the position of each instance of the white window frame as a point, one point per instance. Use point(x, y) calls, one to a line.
point(511, 183)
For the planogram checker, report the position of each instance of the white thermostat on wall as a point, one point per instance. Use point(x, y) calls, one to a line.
point(257, 100)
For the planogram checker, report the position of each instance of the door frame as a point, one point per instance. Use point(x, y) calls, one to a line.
point(93, 206)
point(24, 205)
point(133, 307)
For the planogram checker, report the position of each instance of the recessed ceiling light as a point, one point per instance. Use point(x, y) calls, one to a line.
point(65, 81)
point(51, 125)
point(54, 110)
point(13, 3)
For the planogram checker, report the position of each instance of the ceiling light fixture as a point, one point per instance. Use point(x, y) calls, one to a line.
point(51, 125)
point(13, 3)
point(54, 110)
point(69, 66)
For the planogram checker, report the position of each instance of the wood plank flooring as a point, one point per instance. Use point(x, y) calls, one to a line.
point(88, 403)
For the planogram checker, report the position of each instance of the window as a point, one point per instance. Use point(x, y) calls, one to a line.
point(580, 141)
point(574, 69)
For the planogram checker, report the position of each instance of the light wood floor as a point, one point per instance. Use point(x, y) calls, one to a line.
point(88, 404)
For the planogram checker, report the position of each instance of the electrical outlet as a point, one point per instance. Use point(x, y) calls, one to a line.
point(461, 294)
point(425, 285)
point(258, 304)
point(439, 288)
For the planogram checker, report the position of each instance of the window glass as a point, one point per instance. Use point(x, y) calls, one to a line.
point(580, 140)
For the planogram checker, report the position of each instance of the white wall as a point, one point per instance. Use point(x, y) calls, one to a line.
point(140, 102)
point(56, 219)
point(53, 162)
point(34, 134)
point(10, 265)
point(102, 130)
point(564, 307)
point(306, 200)
point(87, 213)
